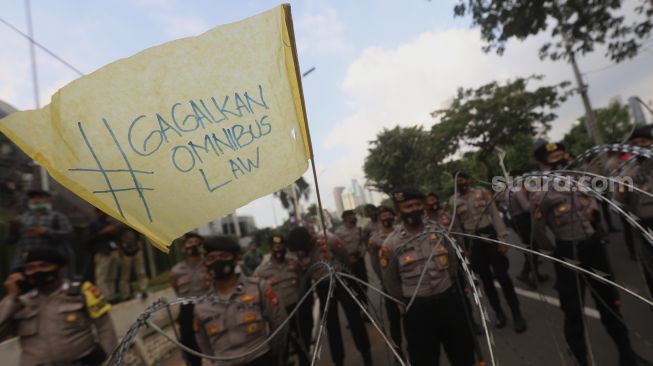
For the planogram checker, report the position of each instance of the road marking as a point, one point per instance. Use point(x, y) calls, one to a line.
point(593, 313)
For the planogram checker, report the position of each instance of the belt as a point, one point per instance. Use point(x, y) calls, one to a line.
point(437, 297)
point(486, 230)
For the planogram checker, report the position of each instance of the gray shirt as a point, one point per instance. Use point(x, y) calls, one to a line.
point(234, 326)
point(403, 257)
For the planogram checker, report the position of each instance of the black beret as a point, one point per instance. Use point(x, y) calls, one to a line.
point(461, 173)
point(191, 235)
point(223, 244)
point(544, 149)
point(299, 238)
point(645, 132)
point(38, 193)
point(347, 213)
point(44, 253)
point(407, 193)
point(383, 209)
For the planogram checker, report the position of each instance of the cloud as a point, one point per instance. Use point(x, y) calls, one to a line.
point(321, 33)
point(385, 87)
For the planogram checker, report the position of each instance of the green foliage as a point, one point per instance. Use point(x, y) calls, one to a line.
point(577, 26)
point(496, 116)
point(285, 195)
point(613, 122)
point(398, 157)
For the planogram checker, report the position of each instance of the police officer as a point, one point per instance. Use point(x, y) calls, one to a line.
point(312, 249)
point(40, 226)
point(516, 198)
point(351, 237)
point(189, 278)
point(475, 212)
point(572, 216)
point(387, 220)
point(246, 311)
point(372, 226)
point(55, 318)
point(435, 212)
point(641, 204)
point(437, 316)
point(281, 272)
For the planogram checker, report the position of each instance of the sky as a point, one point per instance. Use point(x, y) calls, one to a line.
point(378, 64)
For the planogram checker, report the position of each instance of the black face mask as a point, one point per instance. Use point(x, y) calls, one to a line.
point(559, 164)
point(434, 207)
point(221, 269)
point(193, 251)
point(387, 223)
point(41, 279)
point(353, 221)
point(413, 218)
point(279, 255)
point(462, 188)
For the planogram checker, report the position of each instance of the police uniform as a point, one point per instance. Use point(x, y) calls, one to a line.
point(283, 277)
point(333, 252)
point(189, 280)
point(233, 325)
point(57, 328)
point(520, 211)
point(572, 216)
point(352, 241)
point(476, 213)
point(438, 314)
point(392, 309)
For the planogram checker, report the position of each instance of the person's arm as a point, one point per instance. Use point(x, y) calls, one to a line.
point(390, 271)
point(275, 314)
point(106, 333)
point(201, 337)
point(497, 221)
point(539, 210)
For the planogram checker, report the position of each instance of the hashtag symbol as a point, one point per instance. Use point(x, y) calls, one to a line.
point(106, 173)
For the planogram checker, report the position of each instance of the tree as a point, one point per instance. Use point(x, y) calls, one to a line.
point(496, 116)
point(575, 26)
point(286, 197)
point(399, 157)
point(613, 121)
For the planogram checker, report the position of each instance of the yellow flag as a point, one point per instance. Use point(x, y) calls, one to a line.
point(179, 134)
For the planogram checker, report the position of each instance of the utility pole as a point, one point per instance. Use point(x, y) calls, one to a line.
point(590, 118)
point(45, 183)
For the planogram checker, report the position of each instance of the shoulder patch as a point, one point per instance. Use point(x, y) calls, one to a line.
point(272, 297)
point(96, 304)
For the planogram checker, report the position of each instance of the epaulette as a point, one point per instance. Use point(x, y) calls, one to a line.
point(75, 286)
point(96, 304)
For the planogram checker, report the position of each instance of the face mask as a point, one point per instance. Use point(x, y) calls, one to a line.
point(353, 221)
point(387, 223)
point(279, 254)
point(434, 207)
point(39, 206)
point(221, 268)
point(193, 251)
point(413, 218)
point(41, 279)
point(463, 187)
point(559, 164)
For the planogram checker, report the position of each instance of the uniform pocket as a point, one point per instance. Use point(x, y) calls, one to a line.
point(249, 326)
point(72, 315)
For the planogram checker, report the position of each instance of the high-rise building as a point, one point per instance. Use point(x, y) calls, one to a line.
point(337, 196)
